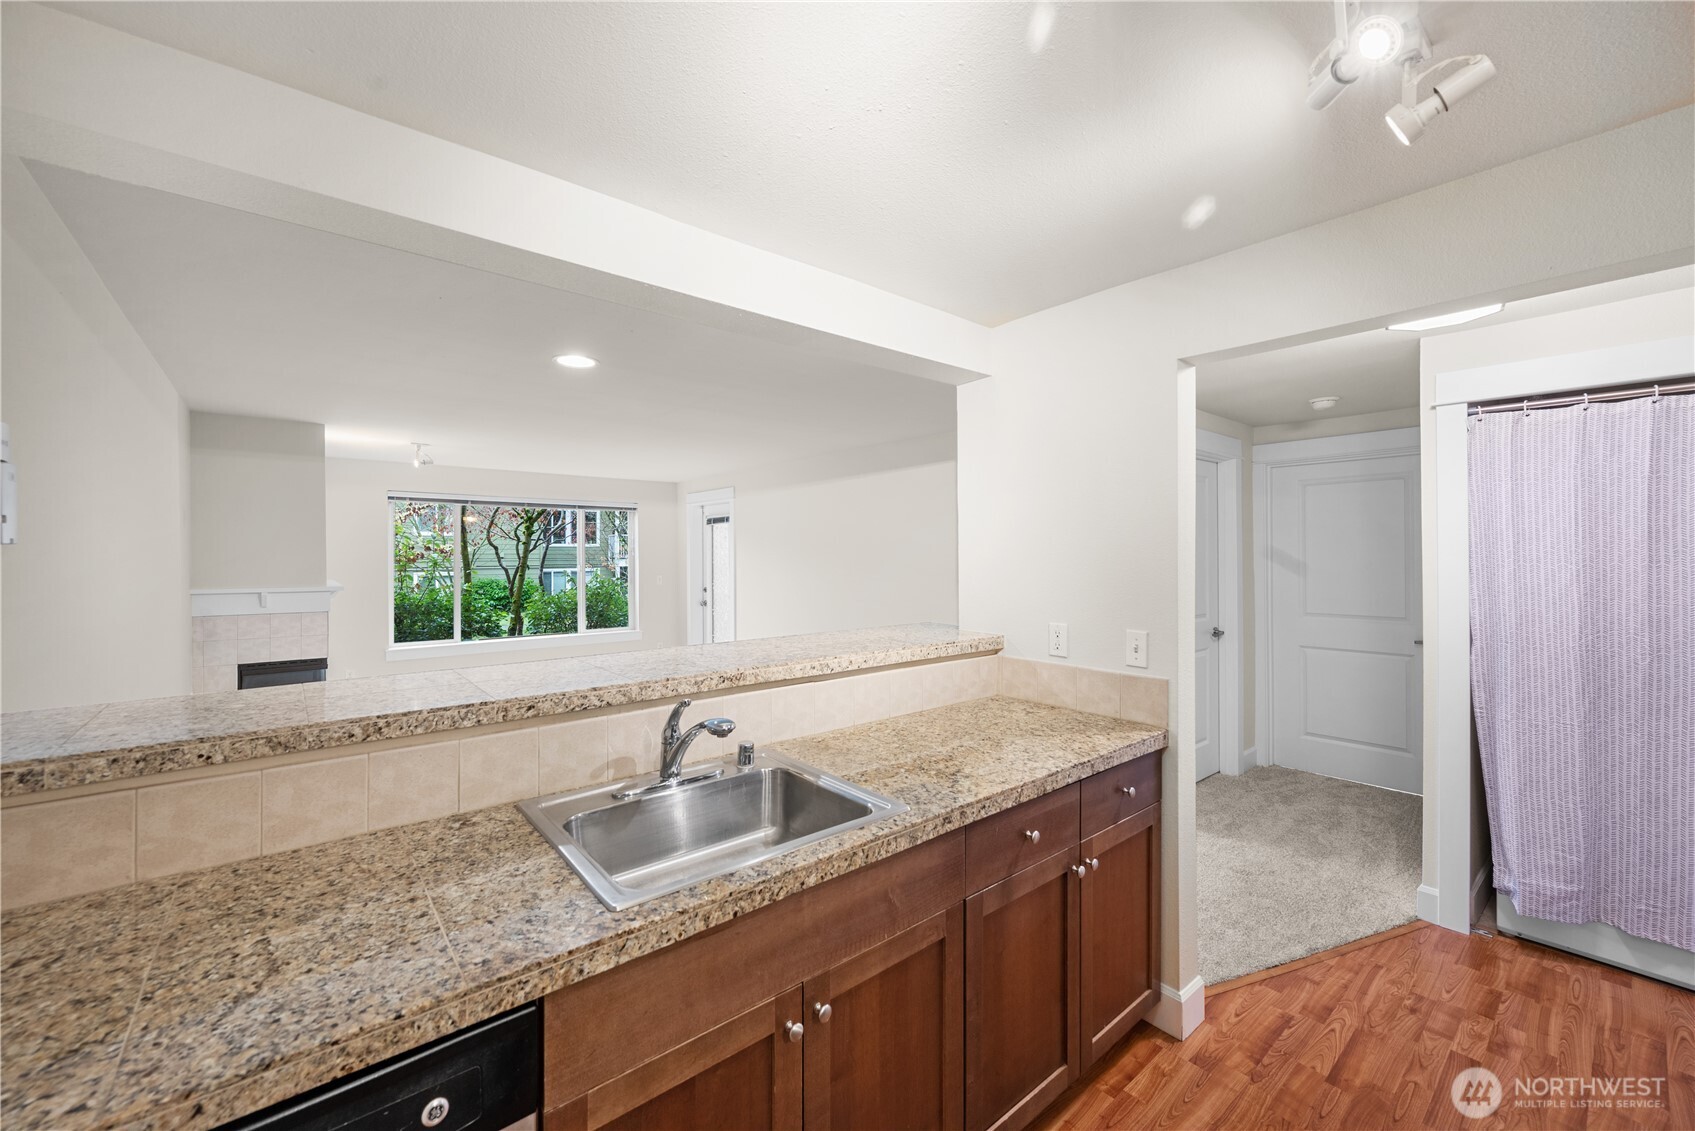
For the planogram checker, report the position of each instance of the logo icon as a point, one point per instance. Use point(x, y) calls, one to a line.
point(1476, 1093)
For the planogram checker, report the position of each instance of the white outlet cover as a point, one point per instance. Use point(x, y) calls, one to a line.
point(1059, 639)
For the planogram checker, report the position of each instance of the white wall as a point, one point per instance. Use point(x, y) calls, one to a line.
point(256, 495)
point(1089, 413)
point(849, 539)
point(94, 595)
point(359, 547)
point(1456, 842)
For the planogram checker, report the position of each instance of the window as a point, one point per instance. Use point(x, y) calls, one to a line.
point(468, 570)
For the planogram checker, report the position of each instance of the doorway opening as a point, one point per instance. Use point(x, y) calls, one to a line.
point(1308, 679)
point(710, 600)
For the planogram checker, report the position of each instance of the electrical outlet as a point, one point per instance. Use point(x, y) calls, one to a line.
point(1136, 648)
point(1059, 639)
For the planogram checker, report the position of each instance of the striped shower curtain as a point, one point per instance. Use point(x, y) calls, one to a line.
point(1583, 659)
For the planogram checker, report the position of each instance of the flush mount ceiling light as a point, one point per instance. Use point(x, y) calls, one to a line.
point(1324, 404)
point(421, 458)
point(575, 361)
point(1457, 318)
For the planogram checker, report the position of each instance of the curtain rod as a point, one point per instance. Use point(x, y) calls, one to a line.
point(1677, 386)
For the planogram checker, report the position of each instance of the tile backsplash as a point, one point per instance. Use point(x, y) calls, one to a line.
point(221, 643)
point(220, 814)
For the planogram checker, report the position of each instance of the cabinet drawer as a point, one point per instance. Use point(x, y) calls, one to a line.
point(1123, 791)
point(998, 846)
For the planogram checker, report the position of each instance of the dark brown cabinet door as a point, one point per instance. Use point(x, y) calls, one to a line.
point(1120, 935)
point(744, 1075)
point(885, 1034)
point(1021, 996)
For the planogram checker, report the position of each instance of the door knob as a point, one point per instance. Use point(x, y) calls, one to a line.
point(1218, 634)
point(821, 1010)
point(793, 1030)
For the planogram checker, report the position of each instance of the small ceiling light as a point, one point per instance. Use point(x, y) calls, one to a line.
point(1377, 39)
point(421, 458)
point(1408, 119)
point(1457, 318)
point(575, 361)
point(1324, 404)
point(1199, 211)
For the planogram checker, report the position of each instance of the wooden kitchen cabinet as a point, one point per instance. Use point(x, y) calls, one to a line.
point(1022, 993)
point(885, 1033)
point(744, 1075)
point(968, 981)
point(1120, 930)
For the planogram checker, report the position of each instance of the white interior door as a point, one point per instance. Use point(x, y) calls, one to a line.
point(711, 546)
point(1206, 619)
point(1344, 570)
point(719, 592)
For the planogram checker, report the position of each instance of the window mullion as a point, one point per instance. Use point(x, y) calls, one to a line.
point(458, 574)
point(582, 577)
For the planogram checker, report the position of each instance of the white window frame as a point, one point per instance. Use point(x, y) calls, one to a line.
point(585, 639)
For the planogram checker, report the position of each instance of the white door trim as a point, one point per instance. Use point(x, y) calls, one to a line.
point(1226, 452)
point(1447, 586)
point(1321, 449)
point(694, 534)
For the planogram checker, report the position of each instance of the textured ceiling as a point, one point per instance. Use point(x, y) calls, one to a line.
point(1376, 370)
point(255, 316)
point(924, 148)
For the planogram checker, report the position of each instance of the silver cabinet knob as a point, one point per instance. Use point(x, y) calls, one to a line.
point(1079, 870)
point(1094, 863)
point(1127, 790)
point(1034, 836)
point(821, 1010)
point(794, 1031)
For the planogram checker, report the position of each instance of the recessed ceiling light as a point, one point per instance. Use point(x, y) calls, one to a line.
point(575, 361)
point(1457, 318)
point(1323, 404)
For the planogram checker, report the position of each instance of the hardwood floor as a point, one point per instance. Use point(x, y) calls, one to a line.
point(1371, 1037)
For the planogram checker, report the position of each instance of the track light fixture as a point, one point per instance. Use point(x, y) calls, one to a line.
point(421, 458)
point(1408, 119)
point(1385, 37)
point(1373, 41)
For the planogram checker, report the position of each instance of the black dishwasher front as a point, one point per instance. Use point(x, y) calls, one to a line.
point(485, 1078)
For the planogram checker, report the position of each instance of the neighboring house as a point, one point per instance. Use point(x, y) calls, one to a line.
point(557, 569)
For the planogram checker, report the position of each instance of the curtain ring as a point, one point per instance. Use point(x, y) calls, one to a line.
point(1585, 402)
point(1527, 406)
point(1656, 394)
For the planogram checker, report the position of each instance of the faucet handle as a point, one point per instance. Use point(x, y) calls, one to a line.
point(674, 724)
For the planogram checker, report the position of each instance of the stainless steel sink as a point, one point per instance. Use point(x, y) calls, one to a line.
point(633, 840)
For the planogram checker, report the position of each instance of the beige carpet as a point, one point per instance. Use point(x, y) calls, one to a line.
point(1291, 863)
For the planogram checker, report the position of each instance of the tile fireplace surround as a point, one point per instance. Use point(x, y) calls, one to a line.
point(223, 643)
point(103, 795)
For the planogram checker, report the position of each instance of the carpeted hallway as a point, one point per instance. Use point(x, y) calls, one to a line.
point(1291, 863)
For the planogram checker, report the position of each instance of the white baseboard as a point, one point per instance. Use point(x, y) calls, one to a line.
point(1179, 1012)
point(1481, 890)
point(1427, 903)
point(1250, 758)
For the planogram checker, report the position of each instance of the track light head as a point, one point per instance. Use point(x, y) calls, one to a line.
point(421, 458)
point(1408, 119)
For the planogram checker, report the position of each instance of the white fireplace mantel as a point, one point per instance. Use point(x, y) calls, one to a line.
point(240, 602)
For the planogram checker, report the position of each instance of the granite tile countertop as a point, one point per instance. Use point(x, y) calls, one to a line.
point(69, 746)
point(187, 1001)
